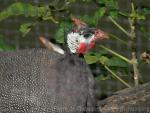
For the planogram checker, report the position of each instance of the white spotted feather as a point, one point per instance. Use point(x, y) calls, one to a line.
point(73, 41)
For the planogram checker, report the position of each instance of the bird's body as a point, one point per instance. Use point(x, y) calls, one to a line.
point(42, 81)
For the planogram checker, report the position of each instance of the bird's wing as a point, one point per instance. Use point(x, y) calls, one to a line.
point(46, 43)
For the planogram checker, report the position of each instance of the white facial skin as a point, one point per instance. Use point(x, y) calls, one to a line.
point(74, 40)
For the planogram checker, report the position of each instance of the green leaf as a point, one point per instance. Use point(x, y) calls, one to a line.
point(90, 59)
point(145, 33)
point(116, 62)
point(93, 20)
point(110, 3)
point(88, 19)
point(27, 10)
point(145, 9)
point(4, 46)
point(101, 77)
point(114, 14)
point(86, 0)
point(98, 14)
point(19, 9)
point(64, 27)
point(26, 28)
point(103, 60)
point(102, 53)
point(101, 11)
point(138, 16)
point(60, 35)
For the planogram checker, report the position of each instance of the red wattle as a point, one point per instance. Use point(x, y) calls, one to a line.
point(82, 48)
point(92, 45)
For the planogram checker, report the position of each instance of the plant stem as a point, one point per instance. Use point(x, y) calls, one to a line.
point(133, 46)
point(118, 55)
point(117, 38)
point(120, 27)
point(135, 69)
point(117, 77)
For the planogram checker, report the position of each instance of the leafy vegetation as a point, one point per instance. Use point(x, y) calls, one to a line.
point(111, 60)
point(4, 46)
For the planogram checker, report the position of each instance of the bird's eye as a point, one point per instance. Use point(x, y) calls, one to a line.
point(77, 40)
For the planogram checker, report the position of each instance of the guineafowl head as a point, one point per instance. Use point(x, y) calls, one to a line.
point(80, 40)
point(83, 38)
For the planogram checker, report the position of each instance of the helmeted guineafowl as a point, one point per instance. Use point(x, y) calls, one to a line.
point(43, 81)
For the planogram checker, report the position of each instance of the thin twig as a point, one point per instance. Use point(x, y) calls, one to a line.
point(117, 77)
point(118, 55)
point(117, 38)
point(120, 27)
point(135, 69)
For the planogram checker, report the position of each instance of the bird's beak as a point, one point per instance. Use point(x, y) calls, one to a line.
point(100, 35)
